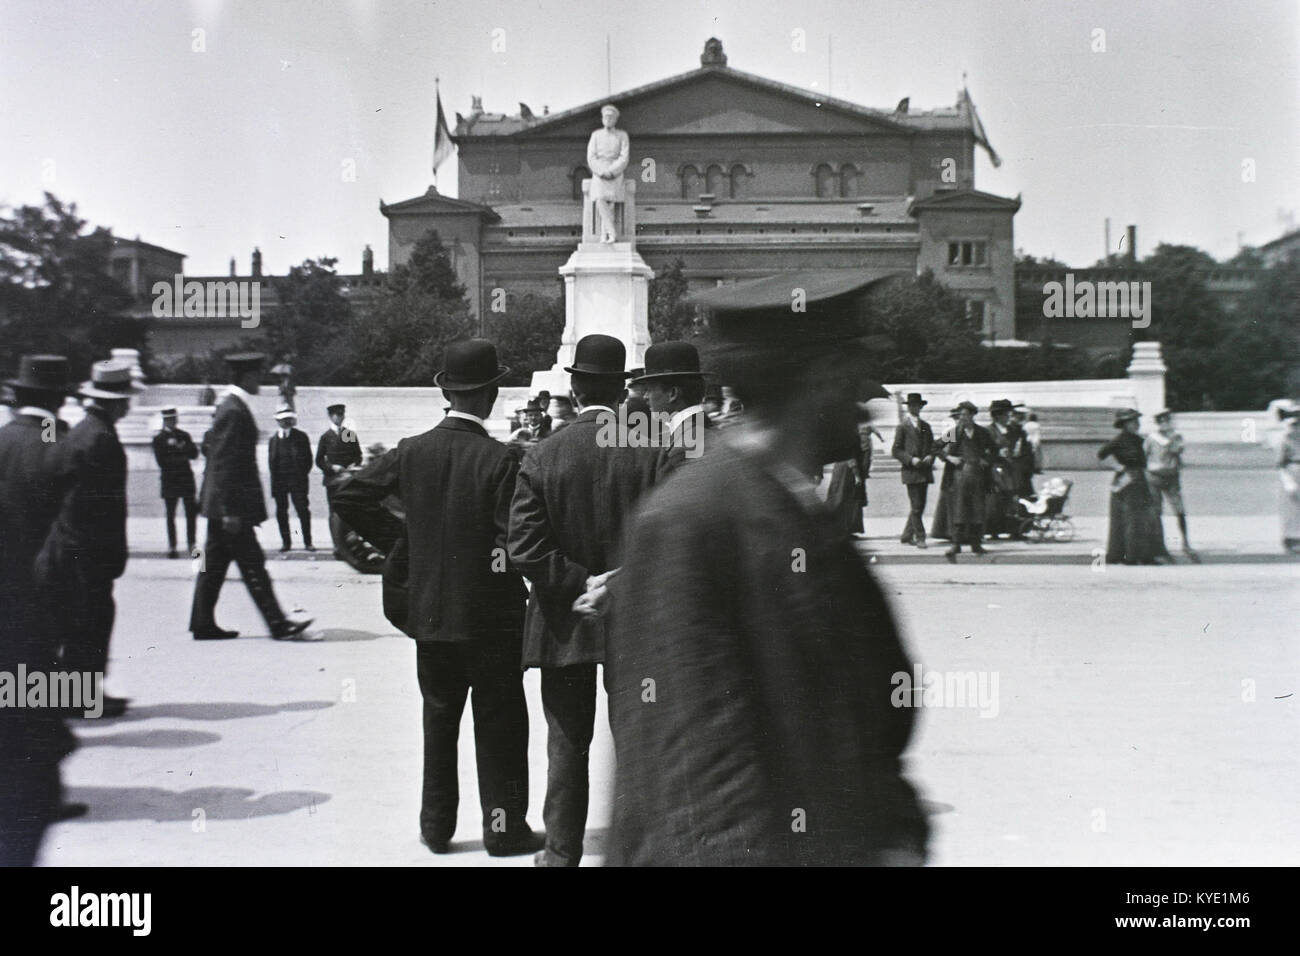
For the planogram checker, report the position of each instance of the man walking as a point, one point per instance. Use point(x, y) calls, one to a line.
point(572, 500)
point(173, 450)
point(674, 387)
point(231, 500)
point(914, 449)
point(288, 458)
point(92, 522)
point(34, 477)
point(465, 604)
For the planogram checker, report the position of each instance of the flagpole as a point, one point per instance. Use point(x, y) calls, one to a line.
point(437, 99)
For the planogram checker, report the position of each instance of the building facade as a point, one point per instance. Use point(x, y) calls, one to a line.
point(737, 175)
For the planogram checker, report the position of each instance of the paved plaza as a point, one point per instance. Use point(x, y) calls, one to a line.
point(1140, 715)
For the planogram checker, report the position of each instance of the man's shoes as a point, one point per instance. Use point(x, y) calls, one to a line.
point(172, 553)
point(951, 554)
point(69, 811)
point(435, 845)
point(517, 844)
point(214, 634)
point(284, 549)
point(977, 549)
point(906, 541)
point(1191, 555)
point(920, 543)
point(289, 630)
point(309, 547)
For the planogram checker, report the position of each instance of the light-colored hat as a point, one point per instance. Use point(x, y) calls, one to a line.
point(109, 379)
point(169, 412)
point(284, 411)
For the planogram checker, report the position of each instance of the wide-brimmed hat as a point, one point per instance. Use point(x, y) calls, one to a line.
point(1125, 415)
point(284, 411)
point(599, 355)
point(169, 411)
point(245, 361)
point(42, 373)
point(533, 406)
point(469, 365)
point(998, 406)
point(1163, 413)
point(336, 407)
point(914, 398)
point(109, 379)
point(670, 360)
point(968, 405)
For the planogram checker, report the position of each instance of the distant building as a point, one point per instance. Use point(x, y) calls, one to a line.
point(1284, 247)
point(738, 175)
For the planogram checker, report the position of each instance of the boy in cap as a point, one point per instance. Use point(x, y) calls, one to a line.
point(173, 450)
point(1164, 450)
point(337, 450)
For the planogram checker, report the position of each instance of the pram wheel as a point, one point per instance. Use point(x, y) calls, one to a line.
point(1062, 529)
point(1033, 528)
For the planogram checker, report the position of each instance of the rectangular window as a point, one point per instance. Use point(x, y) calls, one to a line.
point(968, 253)
point(976, 310)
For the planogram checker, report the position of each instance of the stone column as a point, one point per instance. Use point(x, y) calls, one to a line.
point(1147, 373)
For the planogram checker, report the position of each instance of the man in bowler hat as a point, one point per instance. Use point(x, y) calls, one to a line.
point(288, 458)
point(173, 450)
point(34, 476)
point(92, 521)
point(674, 386)
point(231, 500)
point(914, 449)
point(465, 602)
point(572, 501)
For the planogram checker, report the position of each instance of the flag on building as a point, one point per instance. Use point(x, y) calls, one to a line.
point(978, 128)
point(442, 145)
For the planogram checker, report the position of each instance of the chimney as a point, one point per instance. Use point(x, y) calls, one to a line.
point(233, 272)
point(476, 106)
point(367, 261)
point(1131, 241)
point(257, 263)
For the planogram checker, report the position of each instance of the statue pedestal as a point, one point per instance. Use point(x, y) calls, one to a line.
point(606, 290)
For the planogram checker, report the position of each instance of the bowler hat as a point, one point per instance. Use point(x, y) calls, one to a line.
point(109, 379)
point(1000, 405)
point(533, 405)
point(968, 405)
point(599, 355)
point(469, 365)
point(44, 373)
point(1125, 415)
point(914, 398)
point(670, 360)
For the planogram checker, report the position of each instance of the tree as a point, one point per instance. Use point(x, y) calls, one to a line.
point(430, 270)
point(56, 289)
point(308, 326)
point(1188, 322)
point(527, 335)
point(930, 336)
point(670, 317)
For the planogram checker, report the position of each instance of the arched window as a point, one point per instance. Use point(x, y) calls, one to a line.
point(739, 181)
point(825, 181)
point(716, 180)
point(848, 181)
point(690, 177)
point(578, 175)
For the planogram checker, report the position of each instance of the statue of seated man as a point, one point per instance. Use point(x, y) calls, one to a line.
point(607, 155)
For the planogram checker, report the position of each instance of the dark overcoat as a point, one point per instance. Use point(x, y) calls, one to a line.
point(963, 491)
point(914, 441)
point(92, 520)
point(750, 681)
point(173, 450)
point(455, 484)
point(289, 461)
point(334, 449)
point(231, 485)
point(572, 502)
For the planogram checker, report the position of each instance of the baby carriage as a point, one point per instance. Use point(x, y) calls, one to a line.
point(1042, 517)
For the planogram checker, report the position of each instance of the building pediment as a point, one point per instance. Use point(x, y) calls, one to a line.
point(709, 101)
point(965, 200)
point(433, 202)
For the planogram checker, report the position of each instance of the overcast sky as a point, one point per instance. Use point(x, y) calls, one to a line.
point(210, 153)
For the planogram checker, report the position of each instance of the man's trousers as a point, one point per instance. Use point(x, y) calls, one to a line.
point(191, 520)
point(220, 549)
point(300, 505)
point(914, 530)
point(569, 701)
point(91, 613)
point(488, 669)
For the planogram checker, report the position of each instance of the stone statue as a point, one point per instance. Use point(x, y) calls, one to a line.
point(607, 156)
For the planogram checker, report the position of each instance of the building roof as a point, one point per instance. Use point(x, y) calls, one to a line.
point(1283, 240)
point(434, 201)
point(120, 242)
point(567, 213)
point(773, 292)
point(965, 199)
point(957, 118)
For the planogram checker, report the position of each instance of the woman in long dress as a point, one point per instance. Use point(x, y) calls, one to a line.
point(1289, 472)
point(1135, 536)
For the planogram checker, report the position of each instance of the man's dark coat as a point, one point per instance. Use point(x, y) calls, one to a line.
point(231, 486)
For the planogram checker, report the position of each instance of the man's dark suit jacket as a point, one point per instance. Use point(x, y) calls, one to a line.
point(289, 461)
point(174, 449)
point(332, 449)
point(92, 520)
point(455, 484)
point(572, 502)
point(35, 475)
point(701, 432)
point(231, 486)
point(914, 442)
point(772, 678)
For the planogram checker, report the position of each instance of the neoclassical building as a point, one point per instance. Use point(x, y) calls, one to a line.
point(737, 175)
